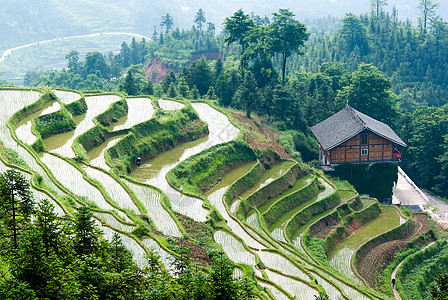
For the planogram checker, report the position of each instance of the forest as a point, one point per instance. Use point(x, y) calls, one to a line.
point(391, 70)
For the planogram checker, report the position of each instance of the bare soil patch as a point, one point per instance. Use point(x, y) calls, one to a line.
point(260, 136)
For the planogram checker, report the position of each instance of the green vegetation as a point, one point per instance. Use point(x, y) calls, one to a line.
point(418, 271)
point(113, 113)
point(58, 122)
point(161, 133)
point(77, 107)
point(199, 173)
point(269, 189)
point(376, 180)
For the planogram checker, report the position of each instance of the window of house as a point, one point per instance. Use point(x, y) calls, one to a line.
point(364, 152)
point(364, 139)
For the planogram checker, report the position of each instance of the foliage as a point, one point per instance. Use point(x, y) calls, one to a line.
point(147, 139)
point(288, 35)
point(16, 205)
point(77, 107)
point(376, 180)
point(274, 188)
point(418, 271)
point(202, 171)
point(370, 93)
point(57, 122)
point(244, 182)
point(115, 111)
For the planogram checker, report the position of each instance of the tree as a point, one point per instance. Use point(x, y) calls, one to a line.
point(48, 225)
point(370, 92)
point(200, 18)
point(439, 291)
point(167, 22)
point(125, 55)
point(16, 201)
point(288, 35)
point(354, 33)
point(73, 57)
point(248, 95)
point(222, 283)
point(86, 233)
point(238, 27)
point(97, 64)
point(376, 6)
point(129, 86)
point(428, 12)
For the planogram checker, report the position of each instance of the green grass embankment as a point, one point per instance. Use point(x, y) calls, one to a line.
point(57, 122)
point(115, 111)
point(78, 107)
point(349, 223)
point(418, 271)
point(204, 170)
point(161, 133)
point(290, 202)
point(244, 183)
point(270, 190)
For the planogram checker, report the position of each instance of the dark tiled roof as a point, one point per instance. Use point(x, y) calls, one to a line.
point(347, 123)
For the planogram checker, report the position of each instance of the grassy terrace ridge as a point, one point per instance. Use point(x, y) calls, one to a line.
point(201, 172)
point(270, 188)
point(164, 131)
point(273, 173)
point(300, 184)
point(288, 206)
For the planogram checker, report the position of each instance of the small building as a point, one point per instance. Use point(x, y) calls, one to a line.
point(350, 136)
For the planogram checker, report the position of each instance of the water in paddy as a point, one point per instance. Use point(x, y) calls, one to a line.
point(296, 288)
point(11, 102)
point(95, 106)
point(220, 131)
point(170, 105)
point(96, 155)
point(150, 198)
point(57, 141)
point(139, 110)
point(232, 176)
point(67, 97)
point(216, 199)
point(23, 128)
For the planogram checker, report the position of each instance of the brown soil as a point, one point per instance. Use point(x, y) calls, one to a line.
point(156, 65)
point(384, 253)
point(253, 129)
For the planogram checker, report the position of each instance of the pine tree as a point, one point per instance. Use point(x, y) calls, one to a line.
point(16, 202)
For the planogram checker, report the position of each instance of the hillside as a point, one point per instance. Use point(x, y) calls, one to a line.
point(207, 174)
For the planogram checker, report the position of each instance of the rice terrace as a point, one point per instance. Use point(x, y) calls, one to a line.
point(205, 172)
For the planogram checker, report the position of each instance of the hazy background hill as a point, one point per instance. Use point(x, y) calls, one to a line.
point(25, 21)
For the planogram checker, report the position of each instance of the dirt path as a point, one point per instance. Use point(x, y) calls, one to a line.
point(394, 273)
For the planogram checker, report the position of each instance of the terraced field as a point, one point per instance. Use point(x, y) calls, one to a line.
point(263, 216)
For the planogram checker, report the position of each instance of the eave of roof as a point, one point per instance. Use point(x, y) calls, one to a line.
point(348, 123)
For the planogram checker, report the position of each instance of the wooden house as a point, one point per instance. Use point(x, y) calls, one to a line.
point(350, 136)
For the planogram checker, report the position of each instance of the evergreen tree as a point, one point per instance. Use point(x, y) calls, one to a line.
point(248, 94)
point(428, 12)
point(200, 18)
point(16, 202)
point(86, 233)
point(167, 22)
point(125, 55)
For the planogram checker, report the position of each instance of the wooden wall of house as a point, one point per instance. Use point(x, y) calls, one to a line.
point(378, 149)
